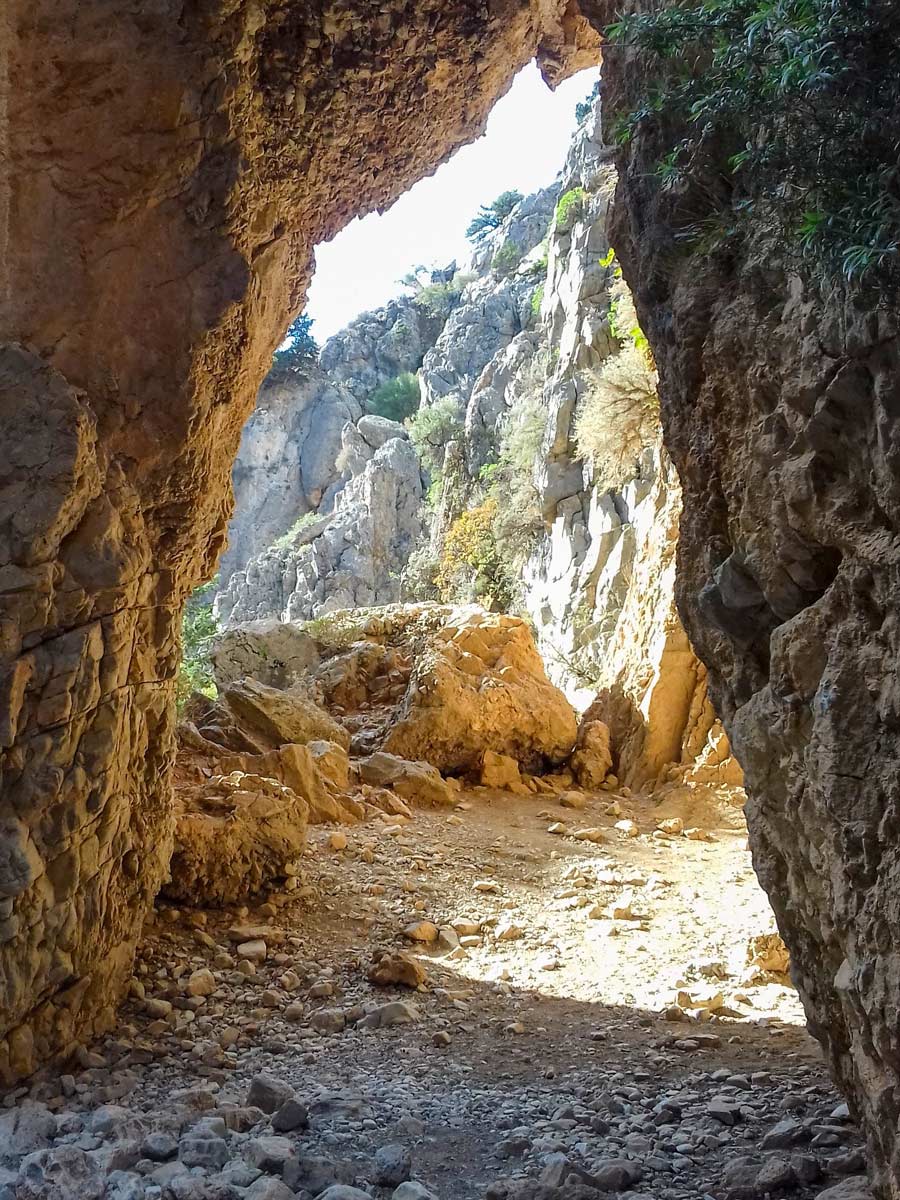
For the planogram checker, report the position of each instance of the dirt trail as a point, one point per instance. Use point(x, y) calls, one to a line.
point(543, 1045)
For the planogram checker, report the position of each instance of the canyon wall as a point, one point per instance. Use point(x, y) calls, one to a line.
point(530, 326)
point(781, 410)
point(166, 171)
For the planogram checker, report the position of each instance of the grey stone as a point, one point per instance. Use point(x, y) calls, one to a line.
point(63, 1173)
point(23, 1129)
point(159, 1147)
point(393, 1165)
point(342, 1191)
point(854, 1188)
point(291, 1115)
point(412, 1190)
point(269, 1153)
point(268, 1189)
point(209, 1152)
point(268, 1093)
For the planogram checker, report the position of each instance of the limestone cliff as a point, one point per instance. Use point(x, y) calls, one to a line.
point(287, 462)
point(517, 357)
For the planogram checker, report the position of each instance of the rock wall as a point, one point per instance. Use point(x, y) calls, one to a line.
point(166, 171)
point(780, 410)
point(287, 462)
point(350, 558)
point(599, 584)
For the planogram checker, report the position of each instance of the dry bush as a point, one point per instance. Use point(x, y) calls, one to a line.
point(618, 416)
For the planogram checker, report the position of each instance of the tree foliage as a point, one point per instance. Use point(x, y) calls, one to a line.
point(491, 216)
point(785, 113)
point(397, 398)
point(198, 627)
point(297, 356)
point(584, 107)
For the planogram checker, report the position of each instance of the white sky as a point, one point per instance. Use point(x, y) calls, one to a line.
point(522, 149)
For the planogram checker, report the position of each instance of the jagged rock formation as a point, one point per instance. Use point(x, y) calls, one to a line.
point(164, 181)
point(351, 558)
point(287, 462)
point(433, 682)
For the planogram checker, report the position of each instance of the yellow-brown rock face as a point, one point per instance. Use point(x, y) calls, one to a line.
point(166, 172)
point(482, 688)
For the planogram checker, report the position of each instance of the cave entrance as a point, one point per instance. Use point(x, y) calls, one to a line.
point(489, 437)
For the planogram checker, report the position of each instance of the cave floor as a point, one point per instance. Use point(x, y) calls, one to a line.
point(550, 1033)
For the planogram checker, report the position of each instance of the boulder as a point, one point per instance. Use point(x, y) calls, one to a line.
point(63, 1173)
point(235, 836)
point(499, 770)
point(282, 716)
point(854, 1188)
point(297, 767)
point(390, 968)
point(377, 430)
point(592, 759)
point(273, 652)
point(417, 782)
point(332, 762)
point(482, 686)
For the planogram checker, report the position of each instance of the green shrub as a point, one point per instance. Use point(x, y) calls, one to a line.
point(537, 299)
point(491, 216)
point(507, 258)
point(569, 209)
point(288, 538)
point(438, 299)
point(336, 631)
point(198, 628)
point(396, 399)
point(417, 580)
point(618, 415)
point(435, 489)
point(296, 358)
point(780, 115)
point(432, 426)
point(524, 436)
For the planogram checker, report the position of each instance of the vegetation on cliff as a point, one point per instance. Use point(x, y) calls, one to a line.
point(780, 112)
point(198, 627)
point(301, 351)
point(491, 216)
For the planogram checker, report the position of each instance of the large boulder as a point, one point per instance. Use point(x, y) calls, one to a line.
point(235, 836)
point(592, 760)
point(304, 770)
point(283, 716)
point(270, 651)
point(481, 685)
point(417, 782)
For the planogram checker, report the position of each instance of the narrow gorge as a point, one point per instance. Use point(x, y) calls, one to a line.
point(376, 721)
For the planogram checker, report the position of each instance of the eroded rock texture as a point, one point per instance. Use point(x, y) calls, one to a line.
point(780, 410)
point(167, 170)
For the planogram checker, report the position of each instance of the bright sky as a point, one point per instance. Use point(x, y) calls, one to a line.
point(522, 149)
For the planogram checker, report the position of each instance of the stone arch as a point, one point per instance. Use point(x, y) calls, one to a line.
point(167, 169)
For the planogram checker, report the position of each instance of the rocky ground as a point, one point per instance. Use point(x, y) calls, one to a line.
point(584, 1023)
